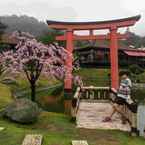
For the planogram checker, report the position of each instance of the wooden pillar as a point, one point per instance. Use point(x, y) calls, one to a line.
point(68, 77)
point(114, 58)
point(91, 33)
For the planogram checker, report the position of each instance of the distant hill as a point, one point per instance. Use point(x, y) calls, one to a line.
point(41, 30)
point(24, 23)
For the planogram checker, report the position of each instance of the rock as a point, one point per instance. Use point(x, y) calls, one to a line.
point(22, 111)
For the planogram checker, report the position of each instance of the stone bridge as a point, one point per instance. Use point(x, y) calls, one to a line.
point(91, 105)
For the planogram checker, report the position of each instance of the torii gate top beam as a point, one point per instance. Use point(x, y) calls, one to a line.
point(111, 24)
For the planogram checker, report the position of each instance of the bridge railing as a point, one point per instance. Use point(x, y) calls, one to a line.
point(95, 93)
point(88, 93)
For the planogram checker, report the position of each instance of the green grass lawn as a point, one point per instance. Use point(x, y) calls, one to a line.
point(5, 96)
point(96, 77)
point(58, 130)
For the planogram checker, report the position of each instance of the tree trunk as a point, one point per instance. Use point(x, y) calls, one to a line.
point(33, 92)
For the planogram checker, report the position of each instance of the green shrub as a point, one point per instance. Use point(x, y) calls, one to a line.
point(135, 69)
point(138, 94)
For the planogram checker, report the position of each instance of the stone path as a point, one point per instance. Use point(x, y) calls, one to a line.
point(90, 116)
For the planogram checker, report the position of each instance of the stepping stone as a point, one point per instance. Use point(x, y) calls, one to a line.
point(32, 139)
point(79, 142)
point(2, 128)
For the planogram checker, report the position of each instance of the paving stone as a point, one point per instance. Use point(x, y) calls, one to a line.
point(32, 139)
point(2, 128)
point(79, 142)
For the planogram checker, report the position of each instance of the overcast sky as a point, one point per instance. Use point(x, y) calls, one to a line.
point(77, 10)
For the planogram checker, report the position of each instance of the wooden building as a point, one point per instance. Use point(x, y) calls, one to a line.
point(7, 42)
point(99, 57)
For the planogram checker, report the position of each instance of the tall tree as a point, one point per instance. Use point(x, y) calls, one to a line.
point(34, 58)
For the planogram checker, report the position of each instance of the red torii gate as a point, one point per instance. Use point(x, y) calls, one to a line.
point(113, 36)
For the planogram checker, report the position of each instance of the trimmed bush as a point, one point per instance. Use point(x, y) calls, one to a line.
point(135, 69)
point(138, 94)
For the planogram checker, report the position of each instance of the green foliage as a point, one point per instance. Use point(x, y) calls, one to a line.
point(136, 73)
point(138, 94)
point(47, 39)
point(19, 88)
point(5, 47)
point(135, 69)
point(5, 96)
point(50, 37)
point(8, 81)
point(44, 90)
point(51, 98)
point(57, 90)
point(141, 78)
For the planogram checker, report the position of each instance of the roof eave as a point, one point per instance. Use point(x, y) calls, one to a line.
point(135, 18)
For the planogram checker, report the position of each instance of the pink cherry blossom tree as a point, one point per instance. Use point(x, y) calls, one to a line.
point(34, 58)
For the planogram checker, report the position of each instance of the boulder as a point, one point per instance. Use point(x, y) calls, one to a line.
point(22, 111)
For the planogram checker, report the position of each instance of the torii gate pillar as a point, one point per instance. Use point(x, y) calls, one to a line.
point(114, 58)
point(69, 60)
point(68, 76)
